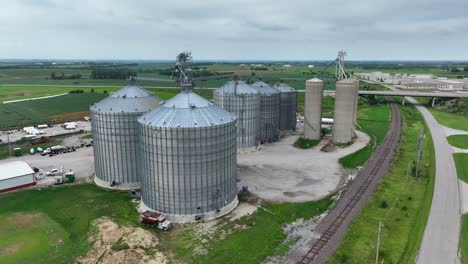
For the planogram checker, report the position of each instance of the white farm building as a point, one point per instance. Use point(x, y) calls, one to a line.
point(15, 175)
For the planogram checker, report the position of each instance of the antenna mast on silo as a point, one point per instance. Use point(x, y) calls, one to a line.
point(340, 72)
point(183, 70)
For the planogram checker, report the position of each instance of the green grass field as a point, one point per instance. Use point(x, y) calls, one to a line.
point(461, 161)
point(261, 236)
point(464, 239)
point(373, 120)
point(404, 214)
point(60, 223)
point(459, 141)
point(52, 225)
point(451, 120)
point(30, 237)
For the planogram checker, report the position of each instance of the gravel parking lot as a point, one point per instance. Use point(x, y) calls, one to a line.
point(280, 172)
point(56, 130)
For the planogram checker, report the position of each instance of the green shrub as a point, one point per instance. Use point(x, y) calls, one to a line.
point(305, 143)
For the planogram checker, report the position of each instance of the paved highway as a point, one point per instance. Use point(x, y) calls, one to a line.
point(441, 237)
point(440, 241)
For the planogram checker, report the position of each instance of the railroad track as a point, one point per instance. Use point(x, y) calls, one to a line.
point(333, 227)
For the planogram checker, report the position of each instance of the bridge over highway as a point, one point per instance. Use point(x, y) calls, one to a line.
point(406, 93)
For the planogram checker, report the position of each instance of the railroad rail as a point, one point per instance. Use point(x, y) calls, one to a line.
point(332, 228)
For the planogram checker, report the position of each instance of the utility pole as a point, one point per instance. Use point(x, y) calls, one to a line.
point(378, 244)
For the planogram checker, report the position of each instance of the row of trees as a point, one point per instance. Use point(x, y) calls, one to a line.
point(62, 76)
point(112, 73)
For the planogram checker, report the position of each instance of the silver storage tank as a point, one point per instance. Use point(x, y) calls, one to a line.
point(288, 106)
point(345, 107)
point(243, 101)
point(115, 135)
point(269, 111)
point(313, 109)
point(189, 153)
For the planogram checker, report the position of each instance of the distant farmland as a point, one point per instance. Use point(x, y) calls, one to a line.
point(63, 108)
point(67, 107)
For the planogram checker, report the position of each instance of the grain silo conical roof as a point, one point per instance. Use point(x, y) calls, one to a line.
point(264, 88)
point(187, 109)
point(236, 87)
point(129, 99)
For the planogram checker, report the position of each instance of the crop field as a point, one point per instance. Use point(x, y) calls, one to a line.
point(402, 204)
point(67, 107)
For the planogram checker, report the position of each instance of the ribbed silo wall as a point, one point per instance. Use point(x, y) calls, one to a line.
point(345, 101)
point(313, 109)
point(115, 144)
point(246, 107)
point(189, 172)
point(269, 117)
point(288, 106)
point(356, 88)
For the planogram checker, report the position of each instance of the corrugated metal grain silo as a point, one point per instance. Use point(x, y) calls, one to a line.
point(269, 111)
point(189, 154)
point(115, 136)
point(288, 106)
point(243, 101)
point(345, 108)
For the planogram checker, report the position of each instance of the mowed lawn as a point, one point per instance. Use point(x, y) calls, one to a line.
point(373, 120)
point(461, 161)
point(52, 225)
point(454, 121)
point(464, 239)
point(28, 237)
point(459, 141)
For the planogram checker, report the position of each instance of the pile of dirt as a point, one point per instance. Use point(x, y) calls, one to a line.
point(126, 244)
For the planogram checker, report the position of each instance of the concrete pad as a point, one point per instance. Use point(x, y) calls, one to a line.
point(459, 150)
point(450, 131)
point(279, 172)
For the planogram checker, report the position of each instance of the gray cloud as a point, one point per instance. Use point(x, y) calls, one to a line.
point(262, 29)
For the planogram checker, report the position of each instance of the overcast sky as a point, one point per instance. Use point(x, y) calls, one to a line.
point(247, 29)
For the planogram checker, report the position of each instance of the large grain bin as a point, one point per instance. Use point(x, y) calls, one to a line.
point(313, 109)
point(189, 149)
point(243, 101)
point(115, 134)
point(269, 111)
point(288, 107)
point(345, 107)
